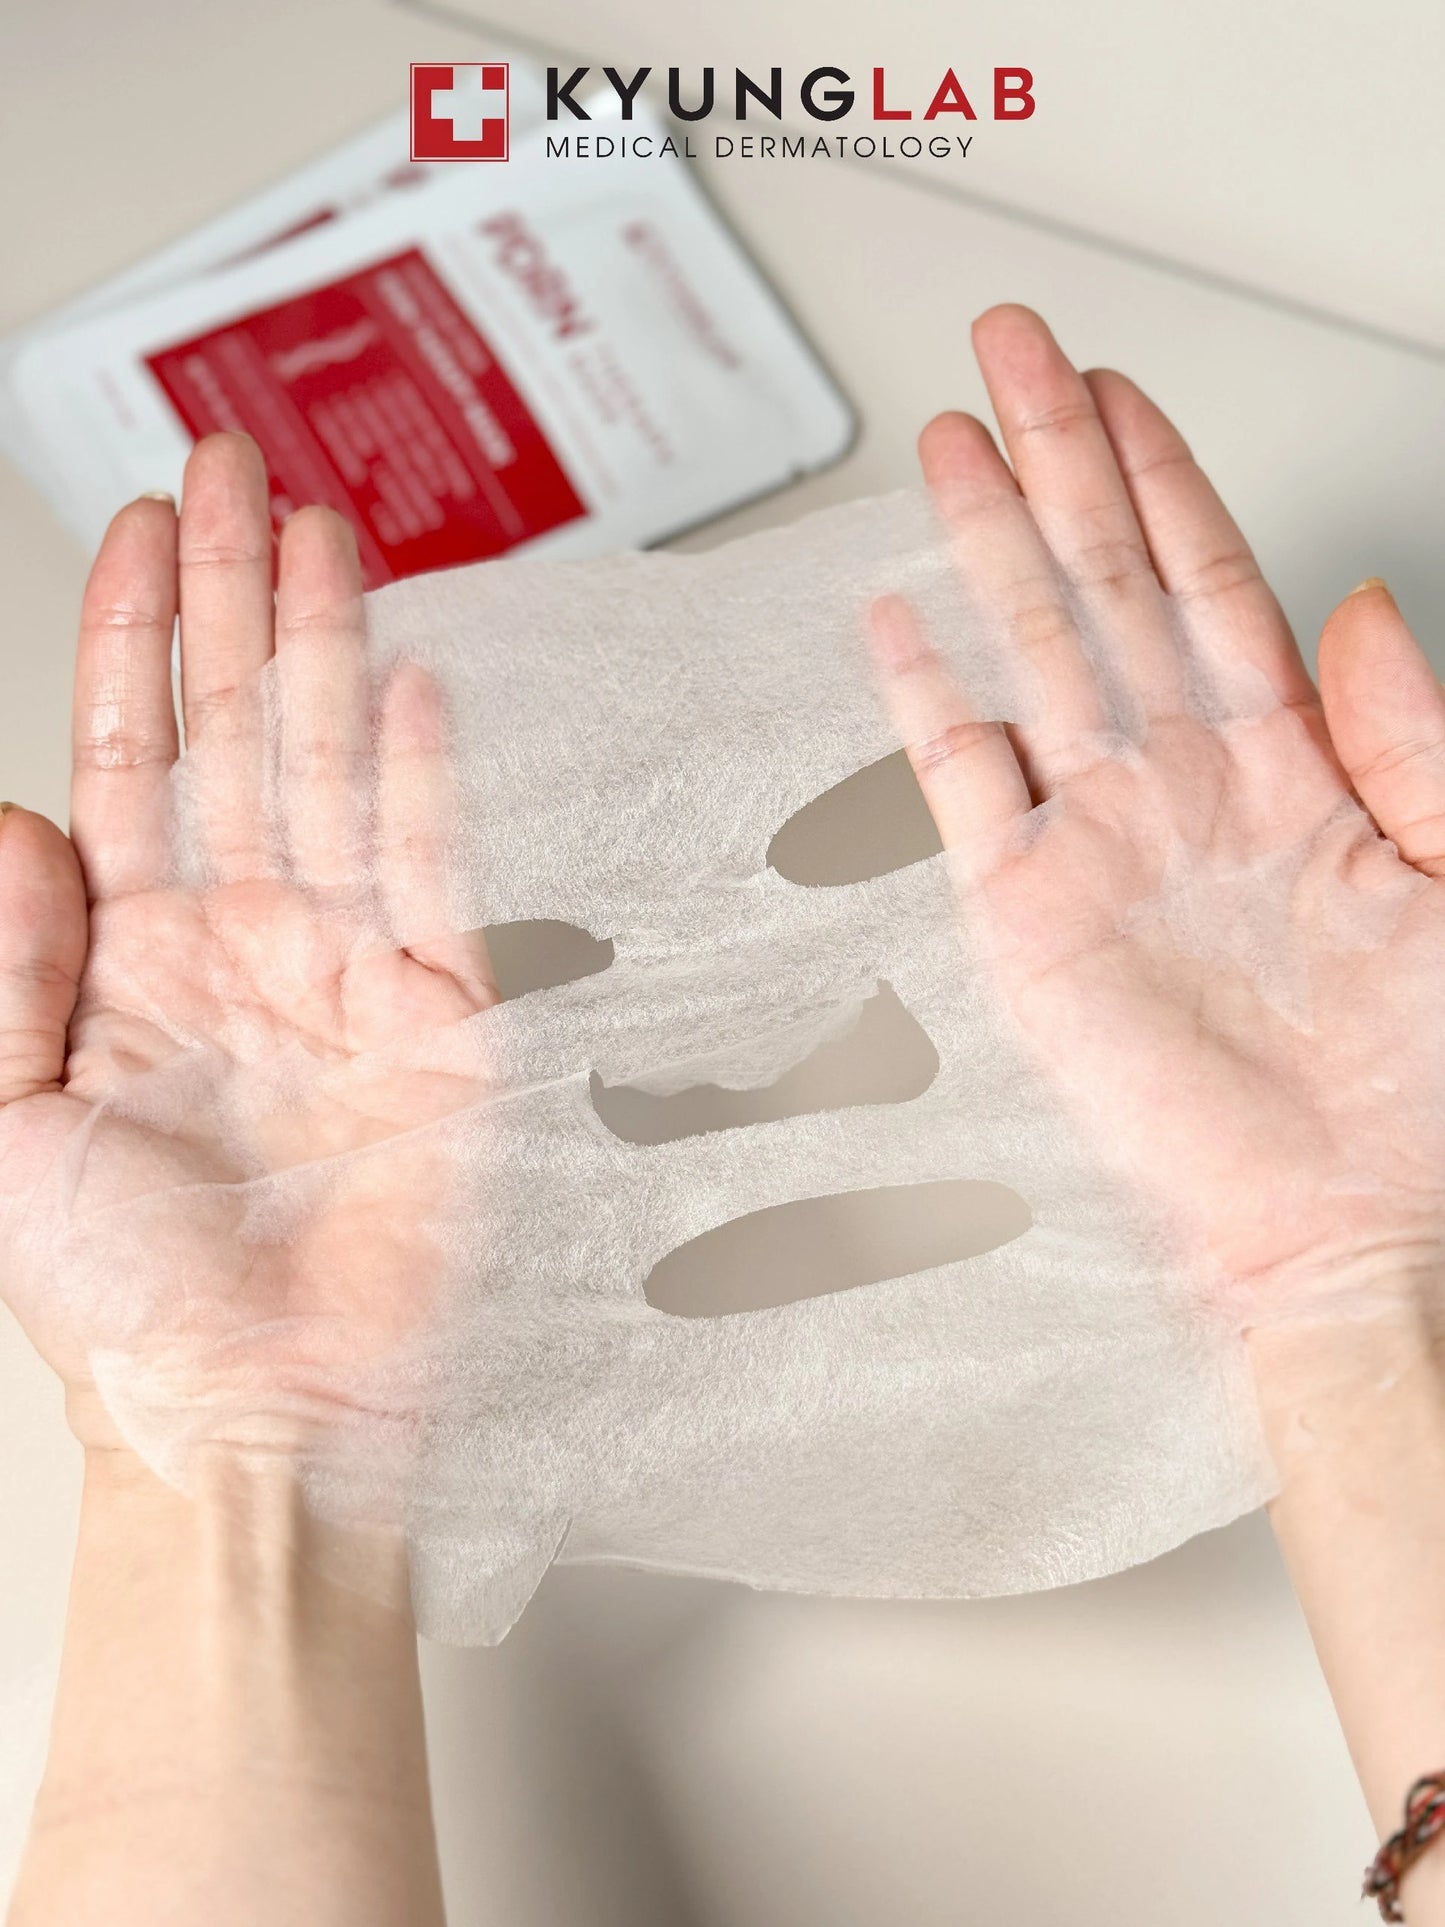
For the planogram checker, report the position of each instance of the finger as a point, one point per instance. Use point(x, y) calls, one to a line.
point(416, 813)
point(325, 700)
point(226, 633)
point(1386, 716)
point(42, 949)
point(1007, 570)
point(123, 717)
point(967, 769)
point(1201, 557)
point(1066, 469)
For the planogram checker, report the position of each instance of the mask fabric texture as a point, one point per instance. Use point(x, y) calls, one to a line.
point(626, 738)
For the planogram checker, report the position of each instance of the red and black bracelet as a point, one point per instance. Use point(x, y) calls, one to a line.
point(1424, 1820)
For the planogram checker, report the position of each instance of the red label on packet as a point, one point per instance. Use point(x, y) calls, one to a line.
point(377, 395)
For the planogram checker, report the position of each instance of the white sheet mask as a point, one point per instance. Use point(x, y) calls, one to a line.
point(629, 736)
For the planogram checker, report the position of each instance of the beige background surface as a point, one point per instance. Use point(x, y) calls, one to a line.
point(645, 1750)
point(1293, 144)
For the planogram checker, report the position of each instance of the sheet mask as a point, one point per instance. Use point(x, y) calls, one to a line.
point(628, 737)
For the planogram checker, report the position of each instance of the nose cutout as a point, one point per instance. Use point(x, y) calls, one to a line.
point(886, 1058)
point(871, 823)
point(538, 953)
point(812, 1247)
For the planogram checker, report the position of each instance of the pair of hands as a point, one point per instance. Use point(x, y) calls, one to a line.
point(1281, 1152)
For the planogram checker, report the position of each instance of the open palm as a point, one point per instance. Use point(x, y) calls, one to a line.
point(225, 1010)
point(1222, 934)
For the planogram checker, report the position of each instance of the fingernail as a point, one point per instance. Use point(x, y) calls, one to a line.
point(159, 495)
point(5, 808)
point(1370, 582)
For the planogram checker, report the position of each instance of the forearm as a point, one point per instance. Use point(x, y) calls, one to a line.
point(1356, 1417)
point(235, 1738)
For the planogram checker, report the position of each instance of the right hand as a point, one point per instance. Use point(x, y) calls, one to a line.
point(1231, 971)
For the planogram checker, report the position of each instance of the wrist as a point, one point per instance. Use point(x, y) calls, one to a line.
point(208, 1642)
point(1353, 1404)
point(241, 1533)
point(229, 1721)
point(1358, 1330)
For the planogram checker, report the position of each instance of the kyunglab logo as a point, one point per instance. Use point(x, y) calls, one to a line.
point(459, 112)
point(822, 94)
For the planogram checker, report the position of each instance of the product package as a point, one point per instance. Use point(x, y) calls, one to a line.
point(461, 359)
point(327, 189)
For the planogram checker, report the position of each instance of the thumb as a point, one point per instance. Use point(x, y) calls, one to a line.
point(42, 949)
point(1386, 715)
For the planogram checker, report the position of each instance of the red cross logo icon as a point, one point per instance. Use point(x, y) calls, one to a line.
point(459, 113)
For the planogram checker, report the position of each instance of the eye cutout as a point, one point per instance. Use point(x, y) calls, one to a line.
point(870, 824)
point(540, 953)
point(886, 1057)
point(817, 1247)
